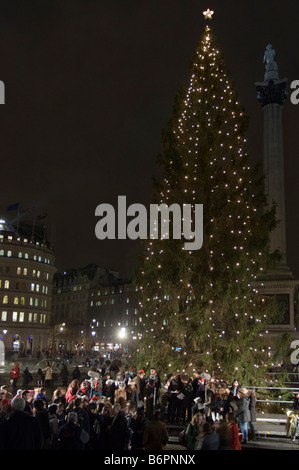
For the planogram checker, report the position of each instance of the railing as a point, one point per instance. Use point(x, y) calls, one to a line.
point(274, 388)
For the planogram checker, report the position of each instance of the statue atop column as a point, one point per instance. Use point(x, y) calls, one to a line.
point(271, 65)
point(272, 89)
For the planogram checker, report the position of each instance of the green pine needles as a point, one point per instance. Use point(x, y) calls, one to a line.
point(200, 309)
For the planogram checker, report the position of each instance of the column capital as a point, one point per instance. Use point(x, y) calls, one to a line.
point(271, 91)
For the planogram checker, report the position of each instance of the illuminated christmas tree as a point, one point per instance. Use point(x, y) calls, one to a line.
point(200, 309)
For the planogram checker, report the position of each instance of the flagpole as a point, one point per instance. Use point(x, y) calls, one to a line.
point(52, 233)
point(32, 235)
point(18, 215)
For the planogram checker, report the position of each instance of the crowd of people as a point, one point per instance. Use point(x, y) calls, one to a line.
point(115, 407)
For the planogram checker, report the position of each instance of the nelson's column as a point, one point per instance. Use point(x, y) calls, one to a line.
point(271, 94)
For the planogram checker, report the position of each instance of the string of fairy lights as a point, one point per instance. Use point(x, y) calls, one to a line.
point(208, 140)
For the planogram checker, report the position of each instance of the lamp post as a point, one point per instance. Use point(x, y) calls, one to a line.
point(122, 334)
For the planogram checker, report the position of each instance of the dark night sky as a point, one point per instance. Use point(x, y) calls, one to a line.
point(89, 86)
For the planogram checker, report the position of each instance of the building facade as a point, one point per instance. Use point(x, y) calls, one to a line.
point(27, 268)
point(86, 302)
point(113, 314)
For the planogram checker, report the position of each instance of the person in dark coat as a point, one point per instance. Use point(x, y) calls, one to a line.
point(82, 415)
point(28, 400)
point(243, 413)
point(118, 433)
point(233, 396)
point(149, 395)
point(140, 387)
point(252, 409)
point(234, 389)
point(64, 375)
point(187, 391)
point(211, 440)
point(69, 434)
point(101, 428)
point(137, 424)
point(27, 378)
point(41, 414)
point(20, 431)
point(155, 436)
point(76, 373)
point(41, 395)
point(109, 390)
point(131, 392)
point(153, 375)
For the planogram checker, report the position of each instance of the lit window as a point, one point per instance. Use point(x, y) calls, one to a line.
point(19, 270)
point(6, 284)
point(4, 316)
point(9, 253)
point(14, 316)
point(5, 299)
point(21, 317)
point(20, 254)
point(16, 300)
point(25, 271)
point(30, 317)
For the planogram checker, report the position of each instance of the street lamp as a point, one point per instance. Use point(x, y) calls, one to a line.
point(122, 333)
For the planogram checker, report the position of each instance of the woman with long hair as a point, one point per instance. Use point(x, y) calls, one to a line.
point(72, 390)
point(194, 435)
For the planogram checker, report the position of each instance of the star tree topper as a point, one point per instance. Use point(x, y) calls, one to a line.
point(208, 14)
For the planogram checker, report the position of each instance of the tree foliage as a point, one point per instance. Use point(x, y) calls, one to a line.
point(200, 309)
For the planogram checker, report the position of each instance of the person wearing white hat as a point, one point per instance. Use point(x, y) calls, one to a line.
point(243, 413)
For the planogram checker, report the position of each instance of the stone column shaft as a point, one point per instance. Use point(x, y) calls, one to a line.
point(274, 172)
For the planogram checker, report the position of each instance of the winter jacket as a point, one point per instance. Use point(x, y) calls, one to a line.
point(243, 412)
point(252, 409)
